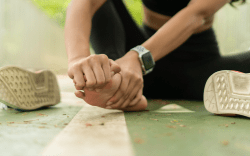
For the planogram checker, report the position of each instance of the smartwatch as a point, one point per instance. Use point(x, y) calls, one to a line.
point(146, 59)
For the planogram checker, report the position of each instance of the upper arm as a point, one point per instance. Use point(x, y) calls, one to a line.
point(93, 4)
point(206, 8)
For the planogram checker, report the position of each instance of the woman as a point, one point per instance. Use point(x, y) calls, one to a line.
point(178, 34)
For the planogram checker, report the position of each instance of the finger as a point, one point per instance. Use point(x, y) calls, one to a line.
point(126, 103)
point(129, 99)
point(133, 85)
point(85, 79)
point(141, 105)
point(90, 77)
point(114, 66)
point(70, 74)
point(79, 80)
point(134, 93)
point(80, 94)
point(137, 98)
point(106, 71)
point(84, 76)
point(121, 91)
point(116, 105)
point(99, 75)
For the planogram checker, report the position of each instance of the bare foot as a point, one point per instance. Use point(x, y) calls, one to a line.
point(101, 98)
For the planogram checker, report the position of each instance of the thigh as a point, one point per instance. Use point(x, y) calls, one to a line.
point(114, 32)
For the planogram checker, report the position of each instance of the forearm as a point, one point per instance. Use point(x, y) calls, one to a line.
point(173, 33)
point(77, 29)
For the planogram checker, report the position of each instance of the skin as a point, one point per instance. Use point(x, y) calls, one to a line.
point(195, 18)
point(100, 98)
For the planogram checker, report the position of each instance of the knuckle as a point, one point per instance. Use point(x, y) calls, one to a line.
point(129, 73)
point(80, 84)
point(91, 83)
point(83, 63)
point(103, 56)
point(92, 60)
point(88, 61)
point(70, 74)
point(138, 78)
point(108, 80)
point(72, 68)
point(95, 57)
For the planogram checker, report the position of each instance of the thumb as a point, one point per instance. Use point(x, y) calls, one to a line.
point(114, 66)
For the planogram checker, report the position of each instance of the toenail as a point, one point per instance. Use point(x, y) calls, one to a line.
point(109, 103)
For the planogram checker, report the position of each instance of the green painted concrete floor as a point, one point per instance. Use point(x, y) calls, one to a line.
point(169, 127)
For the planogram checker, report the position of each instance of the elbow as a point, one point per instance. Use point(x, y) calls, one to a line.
point(202, 17)
point(196, 20)
point(205, 13)
point(200, 20)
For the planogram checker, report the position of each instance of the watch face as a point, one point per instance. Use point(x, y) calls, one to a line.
point(148, 61)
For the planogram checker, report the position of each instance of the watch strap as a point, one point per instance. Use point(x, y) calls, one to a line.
point(141, 51)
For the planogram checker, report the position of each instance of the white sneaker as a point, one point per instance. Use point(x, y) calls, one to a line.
point(228, 92)
point(26, 90)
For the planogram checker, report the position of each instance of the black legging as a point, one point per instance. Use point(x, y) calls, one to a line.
point(182, 74)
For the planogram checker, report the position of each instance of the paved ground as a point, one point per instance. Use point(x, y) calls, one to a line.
point(168, 128)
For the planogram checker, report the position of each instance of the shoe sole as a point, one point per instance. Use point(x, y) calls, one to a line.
point(26, 90)
point(228, 92)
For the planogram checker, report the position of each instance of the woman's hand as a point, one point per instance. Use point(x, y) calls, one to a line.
point(94, 69)
point(130, 91)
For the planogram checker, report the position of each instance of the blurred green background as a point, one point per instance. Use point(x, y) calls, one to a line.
point(56, 9)
point(231, 24)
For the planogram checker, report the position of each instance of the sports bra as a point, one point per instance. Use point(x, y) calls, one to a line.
point(166, 7)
